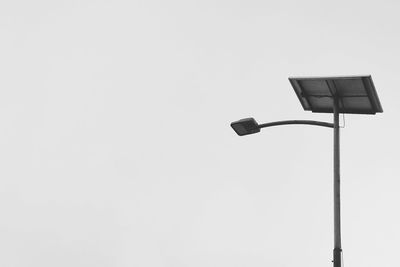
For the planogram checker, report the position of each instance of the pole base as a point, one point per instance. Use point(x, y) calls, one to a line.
point(337, 257)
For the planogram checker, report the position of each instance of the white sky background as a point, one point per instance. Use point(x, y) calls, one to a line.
point(116, 149)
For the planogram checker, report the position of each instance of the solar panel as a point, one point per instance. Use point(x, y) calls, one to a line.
point(356, 94)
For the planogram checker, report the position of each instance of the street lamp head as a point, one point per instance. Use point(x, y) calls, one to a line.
point(245, 126)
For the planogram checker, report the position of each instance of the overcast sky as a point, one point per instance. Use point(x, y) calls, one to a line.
point(116, 149)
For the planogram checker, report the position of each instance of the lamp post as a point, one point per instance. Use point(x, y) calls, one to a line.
point(347, 94)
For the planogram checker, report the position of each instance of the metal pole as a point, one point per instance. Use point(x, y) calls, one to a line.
point(337, 251)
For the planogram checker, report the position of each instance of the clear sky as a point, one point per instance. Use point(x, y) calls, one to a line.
point(116, 149)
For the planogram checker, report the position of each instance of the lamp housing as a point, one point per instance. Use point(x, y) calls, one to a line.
point(245, 126)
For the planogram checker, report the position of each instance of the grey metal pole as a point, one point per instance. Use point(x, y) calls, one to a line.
point(337, 251)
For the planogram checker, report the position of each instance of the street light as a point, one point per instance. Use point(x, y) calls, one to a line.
point(347, 94)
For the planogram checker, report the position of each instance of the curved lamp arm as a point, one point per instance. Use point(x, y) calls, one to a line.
point(316, 123)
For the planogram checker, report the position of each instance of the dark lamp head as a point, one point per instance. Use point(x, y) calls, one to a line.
point(245, 126)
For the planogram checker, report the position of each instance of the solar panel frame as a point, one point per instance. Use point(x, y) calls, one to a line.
point(357, 94)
